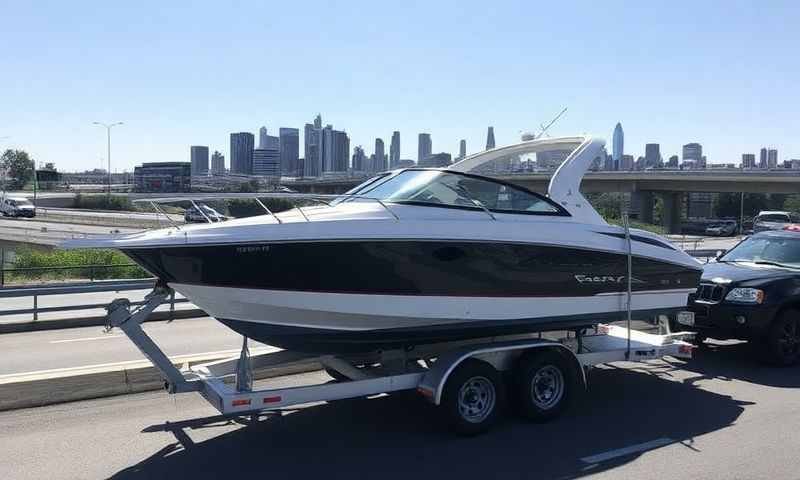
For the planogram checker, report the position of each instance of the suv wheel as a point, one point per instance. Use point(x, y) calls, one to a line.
point(782, 344)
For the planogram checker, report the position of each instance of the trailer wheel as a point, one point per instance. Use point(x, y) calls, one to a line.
point(545, 384)
point(473, 397)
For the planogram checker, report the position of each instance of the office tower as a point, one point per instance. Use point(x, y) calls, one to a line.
point(490, 138)
point(652, 155)
point(673, 162)
point(217, 163)
point(462, 148)
point(762, 158)
point(312, 161)
point(341, 151)
point(627, 163)
point(290, 151)
point(748, 160)
point(772, 158)
point(267, 162)
point(692, 155)
point(394, 150)
point(618, 145)
point(379, 162)
point(262, 137)
point(359, 159)
point(242, 153)
point(607, 161)
point(436, 160)
point(424, 147)
point(199, 159)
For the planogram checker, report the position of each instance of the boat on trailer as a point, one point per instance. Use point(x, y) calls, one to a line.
point(419, 256)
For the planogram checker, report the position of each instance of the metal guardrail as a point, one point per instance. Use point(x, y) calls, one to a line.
point(37, 291)
point(91, 269)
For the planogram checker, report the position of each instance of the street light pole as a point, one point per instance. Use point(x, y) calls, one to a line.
point(108, 127)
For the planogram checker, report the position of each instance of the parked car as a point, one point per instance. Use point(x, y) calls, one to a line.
point(193, 215)
point(752, 292)
point(17, 207)
point(774, 220)
point(725, 228)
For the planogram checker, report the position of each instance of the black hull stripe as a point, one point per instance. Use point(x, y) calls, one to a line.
point(458, 269)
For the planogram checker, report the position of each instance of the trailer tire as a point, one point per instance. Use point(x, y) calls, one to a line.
point(545, 384)
point(473, 397)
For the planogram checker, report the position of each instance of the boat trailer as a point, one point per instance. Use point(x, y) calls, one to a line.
point(462, 378)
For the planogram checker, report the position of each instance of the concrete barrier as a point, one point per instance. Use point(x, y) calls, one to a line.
point(37, 389)
point(98, 321)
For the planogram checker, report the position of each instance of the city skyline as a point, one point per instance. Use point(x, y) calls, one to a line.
point(743, 99)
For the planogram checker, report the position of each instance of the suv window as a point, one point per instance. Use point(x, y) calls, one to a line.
point(773, 217)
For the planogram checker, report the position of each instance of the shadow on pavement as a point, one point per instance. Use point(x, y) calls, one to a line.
point(400, 436)
point(737, 361)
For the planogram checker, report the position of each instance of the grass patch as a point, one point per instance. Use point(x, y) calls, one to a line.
point(83, 264)
point(104, 202)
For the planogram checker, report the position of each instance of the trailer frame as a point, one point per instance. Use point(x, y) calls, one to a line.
point(425, 368)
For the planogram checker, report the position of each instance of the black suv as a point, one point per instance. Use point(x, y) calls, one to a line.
point(752, 293)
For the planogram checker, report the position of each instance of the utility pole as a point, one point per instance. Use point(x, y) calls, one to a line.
point(741, 214)
point(108, 127)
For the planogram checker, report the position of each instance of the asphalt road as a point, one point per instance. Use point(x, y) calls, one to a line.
point(43, 232)
point(78, 347)
point(718, 416)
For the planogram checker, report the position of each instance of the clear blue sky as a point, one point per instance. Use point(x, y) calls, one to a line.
point(725, 74)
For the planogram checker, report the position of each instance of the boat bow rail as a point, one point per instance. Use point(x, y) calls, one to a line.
point(294, 198)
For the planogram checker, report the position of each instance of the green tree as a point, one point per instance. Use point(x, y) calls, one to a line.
point(18, 166)
point(792, 203)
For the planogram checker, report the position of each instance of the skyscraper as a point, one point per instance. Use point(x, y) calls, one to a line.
point(490, 138)
point(379, 162)
point(217, 163)
point(341, 151)
point(199, 159)
point(262, 137)
point(626, 163)
point(748, 160)
point(772, 158)
point(618, 146)
point(652, 155)
point(290, 151)
point(424, 147)
point(693, 154)
point(242, 153)
point(312, 162)
point(462, 148)
point(267, 162)
point(762, 158)
point(436, 160)
point(394, 150)
point(673, 162)
point(359, 158)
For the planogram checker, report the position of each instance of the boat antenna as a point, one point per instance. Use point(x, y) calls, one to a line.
point(543, 128)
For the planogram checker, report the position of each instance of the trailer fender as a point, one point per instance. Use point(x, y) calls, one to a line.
point(499, 355)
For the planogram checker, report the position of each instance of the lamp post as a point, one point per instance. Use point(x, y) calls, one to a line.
point(108, 127)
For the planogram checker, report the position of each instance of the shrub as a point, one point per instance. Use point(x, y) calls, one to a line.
point(79, 259)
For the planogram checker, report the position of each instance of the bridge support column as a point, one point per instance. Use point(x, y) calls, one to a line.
point(671, 212)
point(644, 202)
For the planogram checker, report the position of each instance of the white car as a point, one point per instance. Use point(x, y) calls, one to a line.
point(17, 207)
point(193, 215)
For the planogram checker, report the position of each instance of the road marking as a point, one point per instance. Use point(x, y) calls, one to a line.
point(176, 359)
point(87, 339)
point(620, 452)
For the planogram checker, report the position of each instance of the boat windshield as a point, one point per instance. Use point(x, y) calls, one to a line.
point(448, 189)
